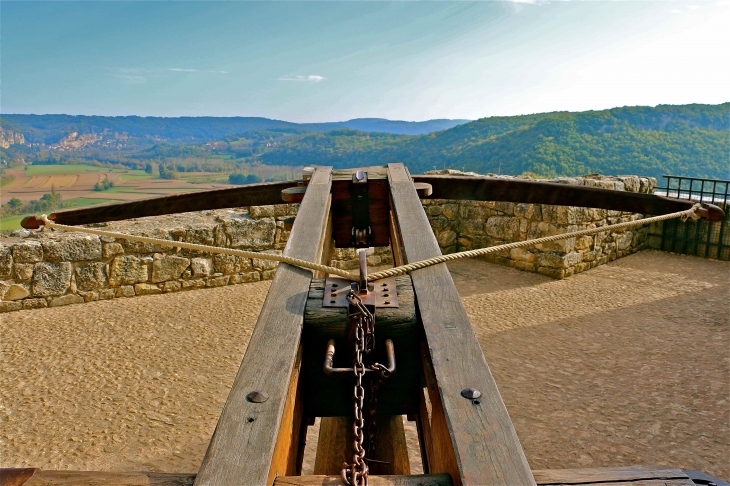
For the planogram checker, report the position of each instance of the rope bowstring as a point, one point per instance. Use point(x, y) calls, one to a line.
point(391, 272)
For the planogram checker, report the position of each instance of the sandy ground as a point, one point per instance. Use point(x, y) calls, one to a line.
point(626, 364)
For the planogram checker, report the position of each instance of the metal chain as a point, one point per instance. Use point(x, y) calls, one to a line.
point(357, 473)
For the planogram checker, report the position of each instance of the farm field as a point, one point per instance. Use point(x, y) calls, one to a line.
point(75, 183)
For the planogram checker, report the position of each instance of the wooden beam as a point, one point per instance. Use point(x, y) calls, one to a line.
point(548, 477)
point(252, 441)
point(249, 195)
point(103, 478)
point(417, 480)
point(474, 441)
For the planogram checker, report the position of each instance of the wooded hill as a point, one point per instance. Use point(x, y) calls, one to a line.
point(686, 140)
point(689, 140)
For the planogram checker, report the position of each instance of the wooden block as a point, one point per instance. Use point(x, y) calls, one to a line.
point(98, 478)
point(547, 477)
point(415, 480)
point(331, 396)
point(474, 441)
point(334, 446)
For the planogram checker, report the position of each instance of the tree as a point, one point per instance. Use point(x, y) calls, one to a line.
point(14, 203)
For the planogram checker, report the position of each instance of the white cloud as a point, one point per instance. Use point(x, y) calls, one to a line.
point(219, 72)
point(693, 7)
point(675, 11)
point(132, 79)
point(312, 78)
point(181, 70)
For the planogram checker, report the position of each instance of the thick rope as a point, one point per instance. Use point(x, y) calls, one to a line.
point(689, 213)
point(391, 272)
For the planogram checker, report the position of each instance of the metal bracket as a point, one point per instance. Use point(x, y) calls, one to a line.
point(380, 293)
point(361, 233)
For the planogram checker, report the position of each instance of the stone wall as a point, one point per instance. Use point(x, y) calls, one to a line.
point(53, 268)
point(468, 225)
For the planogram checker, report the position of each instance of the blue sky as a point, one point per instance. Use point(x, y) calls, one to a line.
point(329, 61)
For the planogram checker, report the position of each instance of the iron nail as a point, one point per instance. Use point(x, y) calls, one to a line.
point(257, 396)
point(471, 393)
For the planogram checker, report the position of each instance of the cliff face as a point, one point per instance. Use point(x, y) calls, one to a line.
point(9, 137)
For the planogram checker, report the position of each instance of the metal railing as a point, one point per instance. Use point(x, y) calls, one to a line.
point(701, 238)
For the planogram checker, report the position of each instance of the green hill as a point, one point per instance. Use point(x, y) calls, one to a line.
point(689, 140)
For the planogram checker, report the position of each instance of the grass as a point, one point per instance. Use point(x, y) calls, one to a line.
point(13, 222)
point(6, 179)
point(128, 174)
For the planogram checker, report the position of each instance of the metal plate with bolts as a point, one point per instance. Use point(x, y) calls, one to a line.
point(336, 290)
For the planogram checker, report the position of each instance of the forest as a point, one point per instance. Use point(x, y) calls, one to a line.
point(687, 140)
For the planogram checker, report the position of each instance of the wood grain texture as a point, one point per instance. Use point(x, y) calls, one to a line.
point(605, 474)
point(416, 480)
point(378, 206)
point(478, 436)
point(243, 444)
point(331, 396)
point(97, 478)
point(334, 446)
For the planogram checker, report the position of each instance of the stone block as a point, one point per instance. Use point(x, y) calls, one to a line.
point(201, 267)
point(10, 306)
point(229, 264)
point(245, 278)
point(126, 270)
point(90, 296)
point(258, 212)
point(472, 227)
point(4, 286)
point(520, 254)
point(168, 267)
point(268, 274)
point(218, 281)
point(446, 238)
point(6, 262)
point(263, 265)
point(37, 303)
point(112, 249)
point(623, 241)
point(23, 271)
point(106, 294)
point(66, 300)
point(583, 243)
point(28, 251)
point(526, 211)
point(557, 273)
point(72, 247)
point(250, 234)
point(197, 283)
point(51, 279)
point(146, 289)
point(125, 291)
point(434, 210)
point(503, 228)
point(450, 211)
point(201, 235)
point(506, 208)
point(139, 247)
point(91, 276)
point(171, 286)
point(525, 266)
point(16, 292)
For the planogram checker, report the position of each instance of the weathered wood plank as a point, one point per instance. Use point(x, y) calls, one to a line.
point(546, 477)
point(641, 482)
point(416, 480)
point(473, 441)
point(98, 478)
point(242, 450)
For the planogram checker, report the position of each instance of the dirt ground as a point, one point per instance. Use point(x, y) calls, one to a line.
point(627, 364)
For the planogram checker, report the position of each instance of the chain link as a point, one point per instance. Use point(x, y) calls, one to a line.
point(357, 473)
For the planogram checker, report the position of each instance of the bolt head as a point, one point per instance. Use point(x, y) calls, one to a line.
point(471, 393)
point(257, 396)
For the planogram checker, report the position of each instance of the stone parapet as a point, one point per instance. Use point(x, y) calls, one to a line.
point(53, 268)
